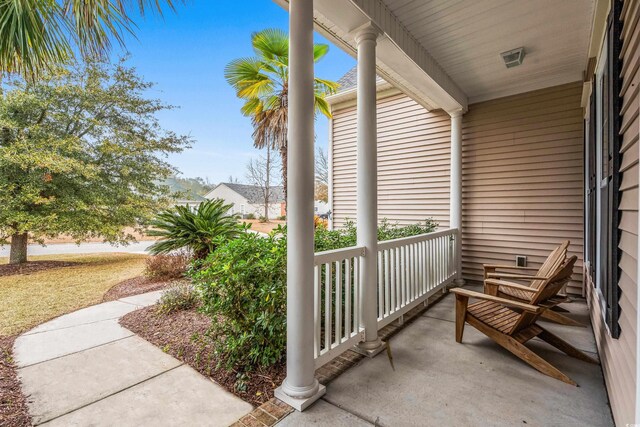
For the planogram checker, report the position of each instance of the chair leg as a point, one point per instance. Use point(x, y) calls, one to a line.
point(564, 346)
point(556, 317)
point(521, 351)
point(461, 314)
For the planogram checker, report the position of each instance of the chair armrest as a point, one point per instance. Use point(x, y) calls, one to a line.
point(496, 282)
point(509, 267)
point(515, 276)
point(472, 294)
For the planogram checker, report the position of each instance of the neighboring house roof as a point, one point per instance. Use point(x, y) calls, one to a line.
point(253, 193)
point(350, 80)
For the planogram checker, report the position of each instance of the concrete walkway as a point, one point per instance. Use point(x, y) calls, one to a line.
point(85, 369)
point(438, 382)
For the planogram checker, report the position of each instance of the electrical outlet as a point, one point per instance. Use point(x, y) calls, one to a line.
point(521, 261)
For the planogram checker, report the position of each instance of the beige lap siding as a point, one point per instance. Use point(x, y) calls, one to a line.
point(413, 162)
point(523, 179)
point(619, 356)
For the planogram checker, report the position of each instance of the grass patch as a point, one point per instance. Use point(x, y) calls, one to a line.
point(30, 299)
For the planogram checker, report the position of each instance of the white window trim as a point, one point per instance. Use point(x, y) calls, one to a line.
point(602, 62)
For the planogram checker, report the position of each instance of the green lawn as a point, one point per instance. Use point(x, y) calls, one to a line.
point(28, 300)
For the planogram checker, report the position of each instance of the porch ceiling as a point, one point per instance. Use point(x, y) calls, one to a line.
point(466, 38)
point(446, 53)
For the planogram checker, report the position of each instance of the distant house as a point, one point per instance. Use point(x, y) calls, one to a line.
point(249, 199)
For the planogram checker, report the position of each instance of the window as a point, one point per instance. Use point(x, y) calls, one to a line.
point(602, 164)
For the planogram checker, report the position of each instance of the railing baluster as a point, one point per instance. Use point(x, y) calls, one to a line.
point(387, 280)
point(347, 296)
point(403, 271)
point(327, 307)
point(316, 308)
point(380, 298)
point(356, 294)
point(338, 307)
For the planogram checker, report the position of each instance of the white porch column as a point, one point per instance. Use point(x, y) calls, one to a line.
point(367, 185)
point(300, 388)
point(455, 197)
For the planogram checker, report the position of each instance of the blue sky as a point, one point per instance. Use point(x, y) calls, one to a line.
point(185, 55)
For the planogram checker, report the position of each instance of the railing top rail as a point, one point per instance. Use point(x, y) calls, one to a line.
point(337, 254)
point(390, 244)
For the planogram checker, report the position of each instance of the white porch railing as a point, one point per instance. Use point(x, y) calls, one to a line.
point(409, 271)
point(336, 302)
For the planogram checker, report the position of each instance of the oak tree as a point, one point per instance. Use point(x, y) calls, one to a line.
point(82, 153)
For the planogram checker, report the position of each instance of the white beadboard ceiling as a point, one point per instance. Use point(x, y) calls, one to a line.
point(466, 38)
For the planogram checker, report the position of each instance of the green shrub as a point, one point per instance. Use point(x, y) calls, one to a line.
point(388, 231)
point(200, 230)
point(250, 216)
point(335, 239)
point(171, 266)
point(282, 218)
point(180, 297)
point(243, 287)
point(262, 218)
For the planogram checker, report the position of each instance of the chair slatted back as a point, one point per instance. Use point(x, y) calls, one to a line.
point(549, 288)
point(555, 284)
point(551, 264)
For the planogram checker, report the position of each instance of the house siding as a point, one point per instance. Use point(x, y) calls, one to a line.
point(619, 356)
point(238, 201)
point(522, 173)
point(522, 190)
point(413, 162)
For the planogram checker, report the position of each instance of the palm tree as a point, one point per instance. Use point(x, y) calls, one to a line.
point(263, 82)
point(199, 230)
point(36, 35)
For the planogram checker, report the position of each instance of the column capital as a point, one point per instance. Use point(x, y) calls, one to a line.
point(456, 113)
point(367, 31)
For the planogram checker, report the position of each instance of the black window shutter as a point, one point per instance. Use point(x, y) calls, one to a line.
point(591, 180)
point(613, 229)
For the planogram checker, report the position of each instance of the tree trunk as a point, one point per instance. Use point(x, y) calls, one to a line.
point(267, 193)
point(283, 156)
point(18, 253)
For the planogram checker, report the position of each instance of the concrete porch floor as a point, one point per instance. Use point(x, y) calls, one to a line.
point(438, 382)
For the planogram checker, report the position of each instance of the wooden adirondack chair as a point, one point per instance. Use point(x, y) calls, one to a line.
point(512, 323)
point(495, 274)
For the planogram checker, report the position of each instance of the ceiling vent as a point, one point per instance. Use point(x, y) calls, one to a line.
point(513, 58)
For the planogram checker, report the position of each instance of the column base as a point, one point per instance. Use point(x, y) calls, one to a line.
point(459, 282)
point(299, 404)
point(370, 352)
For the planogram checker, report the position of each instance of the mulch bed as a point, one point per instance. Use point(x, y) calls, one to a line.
point(32, 267)
point(13, 404)
point(137, 285)
point(183, 334)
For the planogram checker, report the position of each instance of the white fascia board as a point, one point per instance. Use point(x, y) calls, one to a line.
point(401, 60)
point(352, 93)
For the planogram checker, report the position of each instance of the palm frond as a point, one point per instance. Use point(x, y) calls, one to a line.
point(326, 87)
point(322, 106)
point(252, 107)
point(271, 44)
point(319, 51)
point(32, 36)
point(36, 35)
point(200, 230)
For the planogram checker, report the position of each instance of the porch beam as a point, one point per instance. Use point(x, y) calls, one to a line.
point(300, 389)
point(455, 195)
point(367, 185)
